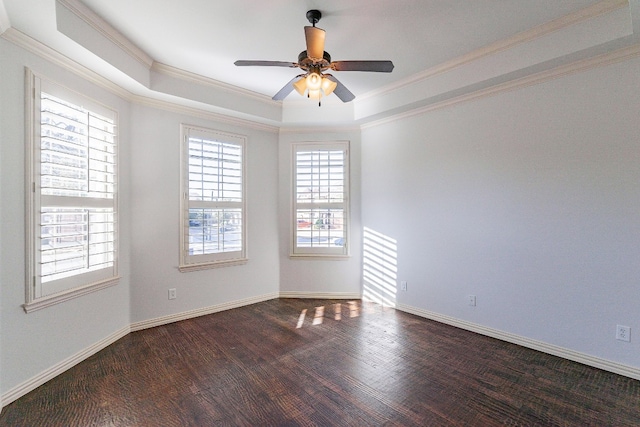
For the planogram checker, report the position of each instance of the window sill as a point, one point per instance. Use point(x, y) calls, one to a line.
point(320, 257)
point(209, 265)
point(61, 297)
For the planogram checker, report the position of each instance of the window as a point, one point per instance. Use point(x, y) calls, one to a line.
point(213, 231)
point(72, 152)
point(320, 199)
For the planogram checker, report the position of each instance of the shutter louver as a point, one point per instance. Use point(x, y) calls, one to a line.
point(213, 228)
point(320, 200)
point(77, 191)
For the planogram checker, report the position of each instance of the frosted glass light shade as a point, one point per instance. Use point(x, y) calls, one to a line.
point(315, 94)
point(300, 86)
point(315, 85)
point(328, 86)
point(314, 81)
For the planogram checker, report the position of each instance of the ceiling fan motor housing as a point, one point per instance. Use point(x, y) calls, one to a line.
point(307, 64)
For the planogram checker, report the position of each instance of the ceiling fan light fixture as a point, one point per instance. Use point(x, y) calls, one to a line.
point(314, 81)
point(315, 94)
point(300, 86)
point(315, 86)
point(328, 86)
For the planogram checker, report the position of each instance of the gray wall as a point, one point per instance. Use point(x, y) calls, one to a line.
point(155, 205)
point(300, 276)
point(529, 200)
point(32, 343)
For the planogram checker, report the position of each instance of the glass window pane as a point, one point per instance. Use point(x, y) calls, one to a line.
point(320, 228)
point(320, 176)
point(214, 231)
point(75, 241)
point(320, 193)
point(214, 201)
point(74, 142)
point(215, 170)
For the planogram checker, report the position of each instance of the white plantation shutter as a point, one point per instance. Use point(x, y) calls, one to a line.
point(213, 213)
point(320, 185)
point(74, 199)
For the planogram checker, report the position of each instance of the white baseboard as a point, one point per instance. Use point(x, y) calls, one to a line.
point(320, 295)
point(44, 376)
point(35, 382)
point(159, 321)
point(586, 359)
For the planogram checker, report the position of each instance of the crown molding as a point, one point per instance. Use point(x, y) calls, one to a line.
point(609, 58)
point(45, 52)
point(601, 8)
point(188, 76)
point(38, 48)
point(105, 29)
point(113, 35)
point(334, 128)
point(201, 113)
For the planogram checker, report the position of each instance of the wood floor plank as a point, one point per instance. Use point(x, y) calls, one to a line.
point(289, 362)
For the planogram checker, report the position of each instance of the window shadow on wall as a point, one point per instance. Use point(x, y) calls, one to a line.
point(379, 268)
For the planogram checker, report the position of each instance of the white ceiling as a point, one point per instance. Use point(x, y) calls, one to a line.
point(205, 37)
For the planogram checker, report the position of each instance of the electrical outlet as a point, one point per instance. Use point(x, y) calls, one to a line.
point(403, 285)
point(172, 293)
point(472, 300)
point(623, 333)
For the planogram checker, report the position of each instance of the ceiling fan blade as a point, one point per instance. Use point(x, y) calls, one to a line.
point(286, 89)
point(315, 42)
point(243, 63)
point(341, 90)
point(375, 66)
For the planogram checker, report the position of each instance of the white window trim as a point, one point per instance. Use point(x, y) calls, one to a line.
point(221, 259)
point(320, 253)
point(33, 83)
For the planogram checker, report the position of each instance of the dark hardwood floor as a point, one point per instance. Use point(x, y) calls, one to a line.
point(348, 364)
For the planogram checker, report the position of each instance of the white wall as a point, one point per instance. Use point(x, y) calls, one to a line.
point(528, 199)
point(155, 206)
point(32, 343)
point(36, 344)
point(317, 277)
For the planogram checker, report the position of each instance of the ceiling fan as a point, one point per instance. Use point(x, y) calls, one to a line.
point(314, 82)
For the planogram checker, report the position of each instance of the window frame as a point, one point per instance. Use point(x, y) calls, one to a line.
point(188, 262)
point(77, 285)
point(338, 252)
